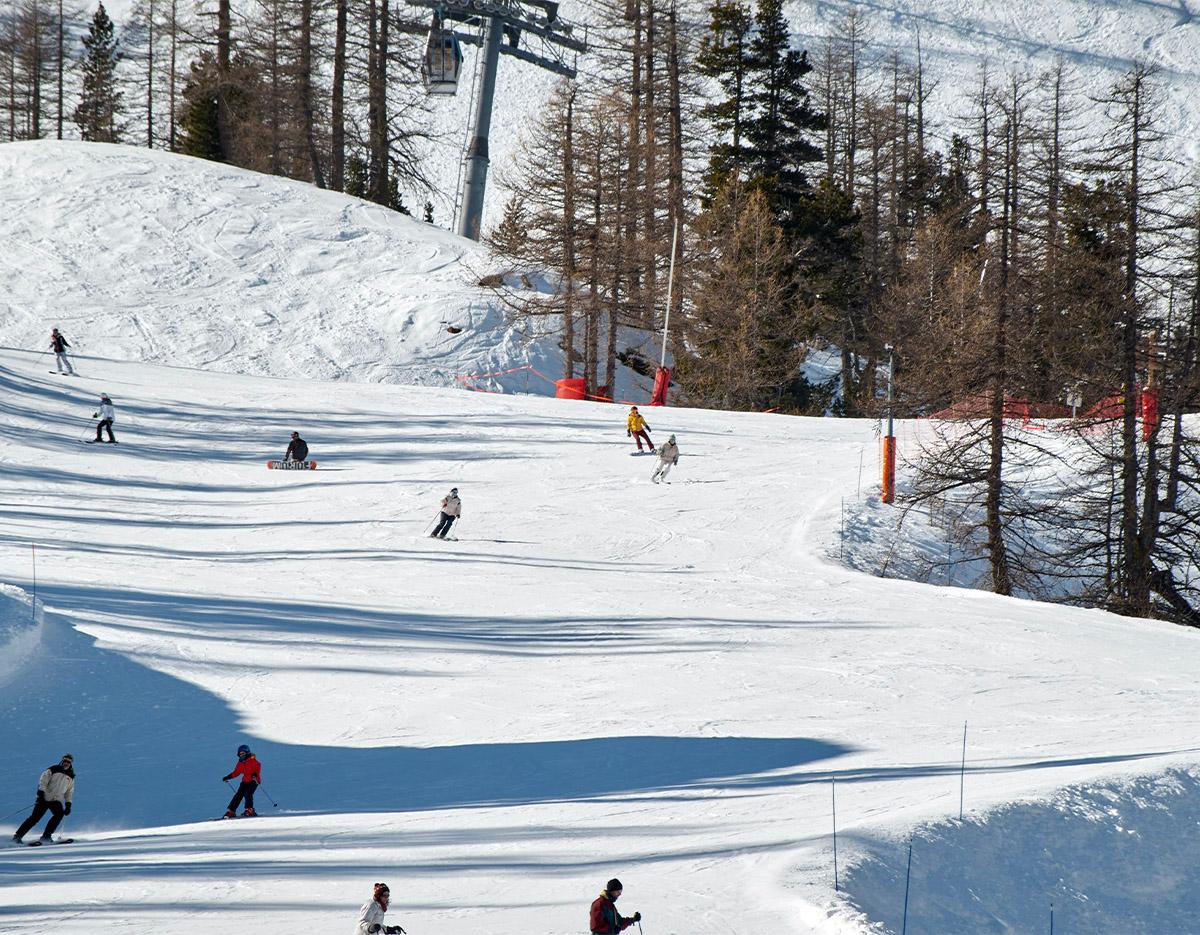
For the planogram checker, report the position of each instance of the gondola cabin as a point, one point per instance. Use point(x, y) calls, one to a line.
point(443, 62)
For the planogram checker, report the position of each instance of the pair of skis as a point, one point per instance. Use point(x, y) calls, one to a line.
point(39, 842)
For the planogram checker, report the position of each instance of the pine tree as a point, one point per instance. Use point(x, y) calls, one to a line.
point(724, 57)
point(199, 128)
point(100, 101)
point(510, 238)
point(783, 124)
point(743, 338)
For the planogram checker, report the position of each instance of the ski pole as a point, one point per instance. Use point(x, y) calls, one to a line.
point(429, 528)
point(10, 814)
point(268, 795)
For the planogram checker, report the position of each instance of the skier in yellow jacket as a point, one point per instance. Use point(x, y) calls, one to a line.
point(637, 429)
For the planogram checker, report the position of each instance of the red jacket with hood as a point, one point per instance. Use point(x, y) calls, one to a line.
point(605, 920)
point(249, 769)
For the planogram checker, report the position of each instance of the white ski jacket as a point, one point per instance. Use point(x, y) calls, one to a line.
point(56, 786)
point(668, 453)
point(107, 411)
point(370, 914)
point(452, 506)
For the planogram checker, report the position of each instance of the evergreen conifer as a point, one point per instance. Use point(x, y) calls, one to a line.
point(100, 100)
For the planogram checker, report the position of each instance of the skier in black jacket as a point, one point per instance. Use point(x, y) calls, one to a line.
point(297, 450)
point(59, 345)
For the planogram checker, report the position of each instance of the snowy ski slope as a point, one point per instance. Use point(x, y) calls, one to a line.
point(601, 677)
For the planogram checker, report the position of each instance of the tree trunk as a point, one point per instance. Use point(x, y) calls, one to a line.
point(306, 103)
point(337, 158)
point(171, 77)
point(224, 71)
point(60, 67)
point(994, 519)
point(378, 103)
point(149, 79)
point(676, 194)
point(568, 168)
point(1136, 565)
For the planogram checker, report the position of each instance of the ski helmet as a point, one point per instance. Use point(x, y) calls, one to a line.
point(671, 440)
point(454, 490)
point(295, 434)
point(243, 750)
point(613, 886)
point(104, 396)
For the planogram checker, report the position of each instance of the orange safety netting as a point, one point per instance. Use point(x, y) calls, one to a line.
point(467, 377)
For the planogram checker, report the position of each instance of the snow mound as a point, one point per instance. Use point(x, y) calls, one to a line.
point(1110, 857)
point(143, 255)
point(20, 630)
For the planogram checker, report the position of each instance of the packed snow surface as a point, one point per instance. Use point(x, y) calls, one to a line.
point(600, 677)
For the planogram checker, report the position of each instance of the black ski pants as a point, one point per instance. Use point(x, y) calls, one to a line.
point(443, 526)
point(244, 792)
point(105, 424)
point(40, 809)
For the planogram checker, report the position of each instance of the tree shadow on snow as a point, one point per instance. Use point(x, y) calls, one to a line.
point(151, 749)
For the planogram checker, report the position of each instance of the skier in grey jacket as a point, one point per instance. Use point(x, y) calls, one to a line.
point(668, 457)
point(56, 788)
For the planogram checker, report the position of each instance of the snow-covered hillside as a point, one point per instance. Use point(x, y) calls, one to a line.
point(601, 677)
point(144, 255)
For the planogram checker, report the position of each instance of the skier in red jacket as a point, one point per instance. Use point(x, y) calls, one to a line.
point(251, 772)
point(605, 920)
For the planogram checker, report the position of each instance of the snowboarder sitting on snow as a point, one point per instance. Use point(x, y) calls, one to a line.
point(605, 920)
point(251, 772)
point(106, 413)
point(451, 510)
point(59, 345)
point(370, 916)
point(668, 456)
point(297, 450)
point(56, 787)
point(637, 429)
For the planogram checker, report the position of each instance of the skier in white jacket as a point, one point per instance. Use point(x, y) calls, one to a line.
point(106, 413)
point(370, 916)
point(56, 788)
point(668, 456)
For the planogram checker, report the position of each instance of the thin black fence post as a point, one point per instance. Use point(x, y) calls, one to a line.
point(907, 878)
point(833, 789)
point(962, 774)
point(842, 539)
